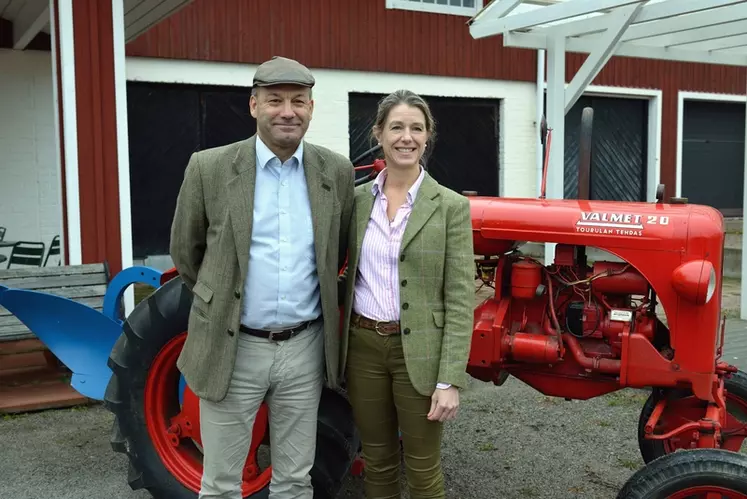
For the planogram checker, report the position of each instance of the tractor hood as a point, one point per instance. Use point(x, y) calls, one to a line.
point(501, 224)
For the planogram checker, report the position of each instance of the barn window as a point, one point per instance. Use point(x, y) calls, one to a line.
point(456, 7)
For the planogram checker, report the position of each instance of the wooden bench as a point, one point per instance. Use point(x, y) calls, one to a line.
point(31, 377)
point(82, 283)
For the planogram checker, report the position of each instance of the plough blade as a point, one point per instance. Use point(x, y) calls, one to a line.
point(81, 337)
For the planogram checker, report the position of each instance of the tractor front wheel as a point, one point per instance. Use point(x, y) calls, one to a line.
point(690, 474)
point(682, 407)
point(157, 422)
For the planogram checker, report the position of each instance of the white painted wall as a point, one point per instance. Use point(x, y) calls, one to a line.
point(329, 126)
point(30, 202)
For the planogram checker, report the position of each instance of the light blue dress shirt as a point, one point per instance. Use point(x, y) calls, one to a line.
point(282, 286)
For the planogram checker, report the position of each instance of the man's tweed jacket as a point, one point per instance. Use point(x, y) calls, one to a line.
point(210, 239)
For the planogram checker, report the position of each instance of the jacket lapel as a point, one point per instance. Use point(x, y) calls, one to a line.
point(363, 206)
point(422, 210)
point(241, 199)
point(321, 201)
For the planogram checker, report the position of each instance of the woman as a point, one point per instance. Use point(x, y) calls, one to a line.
point(408, 306)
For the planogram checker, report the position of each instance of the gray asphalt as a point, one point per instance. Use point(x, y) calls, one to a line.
point(509, 442)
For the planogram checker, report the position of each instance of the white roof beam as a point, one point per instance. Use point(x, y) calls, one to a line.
point(496, 8)
point(717, 44)
point(669, 16)
point(552, 13)
point(619, 22)
point(671, 54)
point(742, 50)
point(709, 18)
point(532, 41)
point(31, 20)
point(696, 35)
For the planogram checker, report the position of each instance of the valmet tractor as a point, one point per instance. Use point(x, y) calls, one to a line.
point(648, 316)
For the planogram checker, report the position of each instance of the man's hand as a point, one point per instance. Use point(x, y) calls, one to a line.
point(444, 404)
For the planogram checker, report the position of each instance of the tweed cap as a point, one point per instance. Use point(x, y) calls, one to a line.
point(281, 70)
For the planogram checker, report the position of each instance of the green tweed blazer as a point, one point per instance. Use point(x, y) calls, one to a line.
point(436, 279)
point(210, 239)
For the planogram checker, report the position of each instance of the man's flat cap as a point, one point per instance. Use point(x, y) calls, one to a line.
point(280, 70)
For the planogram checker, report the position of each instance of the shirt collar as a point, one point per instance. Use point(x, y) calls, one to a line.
point(378, 185)
point(265, 155)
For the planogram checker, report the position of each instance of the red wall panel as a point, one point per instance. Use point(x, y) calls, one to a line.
point(97, 133)
point(338, 34)
point(363, 35)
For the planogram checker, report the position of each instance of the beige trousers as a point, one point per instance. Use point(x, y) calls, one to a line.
point(289, 376)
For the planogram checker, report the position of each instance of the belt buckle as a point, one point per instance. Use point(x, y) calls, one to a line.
point(376, 328)
point(273, 333)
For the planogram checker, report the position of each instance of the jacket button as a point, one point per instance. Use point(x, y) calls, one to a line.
point(237, 294)
point(402, 257)
point(230, 332)
point(406, 331)
point(405, 306)
point(404, 282)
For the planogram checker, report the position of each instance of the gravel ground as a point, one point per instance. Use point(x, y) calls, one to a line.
point(508, 442)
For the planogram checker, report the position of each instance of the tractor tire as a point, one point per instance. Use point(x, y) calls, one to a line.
point(689, 473)
point(152, 337)
point(736, 404)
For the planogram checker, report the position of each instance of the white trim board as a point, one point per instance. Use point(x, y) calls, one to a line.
point(655, 110)
point(682, 96)
point(58, 139)
point(70, 131)
point(123, 149)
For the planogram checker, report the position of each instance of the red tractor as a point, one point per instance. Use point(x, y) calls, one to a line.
point(649, 316)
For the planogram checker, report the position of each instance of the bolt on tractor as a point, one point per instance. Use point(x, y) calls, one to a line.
point(646, 315)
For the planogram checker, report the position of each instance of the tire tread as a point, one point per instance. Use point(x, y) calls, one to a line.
point(687, 468)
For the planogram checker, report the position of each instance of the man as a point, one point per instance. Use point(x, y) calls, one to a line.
point(258, 236)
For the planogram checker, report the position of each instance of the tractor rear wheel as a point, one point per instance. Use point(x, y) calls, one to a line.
point(157, 416)
point(689, 474)
point(683, 407)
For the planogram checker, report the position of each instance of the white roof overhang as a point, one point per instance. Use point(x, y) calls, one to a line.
point(31, 17)
point(709, 31)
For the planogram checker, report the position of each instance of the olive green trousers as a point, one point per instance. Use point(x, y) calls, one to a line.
point(385, 402)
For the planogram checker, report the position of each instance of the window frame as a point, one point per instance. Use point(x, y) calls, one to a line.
point(433, 8)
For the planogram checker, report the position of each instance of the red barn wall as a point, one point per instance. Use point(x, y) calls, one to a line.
point(334, 34)
point(363, 35)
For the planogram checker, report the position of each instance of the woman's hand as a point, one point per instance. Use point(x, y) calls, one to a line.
point(444, 404)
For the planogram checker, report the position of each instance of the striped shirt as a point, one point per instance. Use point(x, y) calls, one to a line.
point(377, 282)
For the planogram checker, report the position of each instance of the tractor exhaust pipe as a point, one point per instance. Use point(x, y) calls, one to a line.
point(584, 169)
point(584, 165)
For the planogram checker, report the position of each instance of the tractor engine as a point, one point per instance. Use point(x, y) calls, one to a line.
point(568, 317)
point(572, 308)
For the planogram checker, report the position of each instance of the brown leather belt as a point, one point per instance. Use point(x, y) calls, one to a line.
point(281, 335)
point(384, 328)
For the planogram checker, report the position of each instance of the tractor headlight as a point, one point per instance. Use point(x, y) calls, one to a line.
point(695, 281)
point(711, 285)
